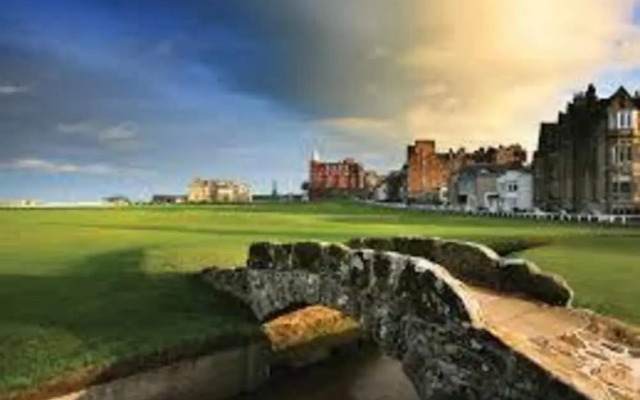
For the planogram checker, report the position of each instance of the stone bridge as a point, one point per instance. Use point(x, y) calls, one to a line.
point(465, 323)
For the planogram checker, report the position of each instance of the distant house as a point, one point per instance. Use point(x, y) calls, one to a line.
point(515, 190)
point(117, 201)
point(218, 191)
point(475, 187)
point(492, 188)
point(168, 199)
point(18, 202)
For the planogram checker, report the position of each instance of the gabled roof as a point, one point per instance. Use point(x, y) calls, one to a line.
point(621, 92)
point(474, 169)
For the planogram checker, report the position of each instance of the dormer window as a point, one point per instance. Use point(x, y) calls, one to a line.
point(622, 119)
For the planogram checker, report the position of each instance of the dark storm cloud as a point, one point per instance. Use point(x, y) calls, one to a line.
point(325, 58)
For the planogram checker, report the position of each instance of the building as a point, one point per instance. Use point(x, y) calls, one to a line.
point(19, 203)
point(371, 180)
point(475, 187)
point(589, 159)
point(429, 172)
point(344, 178)
point(117, 201)
point(168, 199)
point(217, 191)
point(515, 190)
point(391, 188)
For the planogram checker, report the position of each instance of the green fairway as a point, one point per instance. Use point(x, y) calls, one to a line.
point(85, 288)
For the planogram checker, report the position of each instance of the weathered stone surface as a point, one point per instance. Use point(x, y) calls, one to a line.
point(551, 289)
point(463, 362)
point(414, 309)
point(469, 262)
point(260, 255)
point(522, 276)
point(307, 255)
point(382, 244)
point(478, 265)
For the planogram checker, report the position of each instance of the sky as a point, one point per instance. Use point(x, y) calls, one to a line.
point(106, 97)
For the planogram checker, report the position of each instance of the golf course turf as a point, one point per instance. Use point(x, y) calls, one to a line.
point(86, 288)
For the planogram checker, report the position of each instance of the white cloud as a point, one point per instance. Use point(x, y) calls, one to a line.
point(8, 90)
point(124, 132)
point(124, 136)
point(54, 167)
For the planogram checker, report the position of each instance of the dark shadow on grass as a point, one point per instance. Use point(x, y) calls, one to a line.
point(114, 311)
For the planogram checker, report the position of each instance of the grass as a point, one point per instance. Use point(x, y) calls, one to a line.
point(86, 288)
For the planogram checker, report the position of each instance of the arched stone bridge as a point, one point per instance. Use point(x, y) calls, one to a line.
point(465, 323)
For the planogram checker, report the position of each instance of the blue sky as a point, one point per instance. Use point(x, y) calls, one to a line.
point(138, 97)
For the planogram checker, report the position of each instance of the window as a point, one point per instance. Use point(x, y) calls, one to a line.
point(625, 187)
point(618, 120)
point(623, 119)
point(621, 184)
point(621, 153)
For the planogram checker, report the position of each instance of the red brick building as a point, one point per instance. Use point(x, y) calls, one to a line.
point(342, 178)
point(428, 171)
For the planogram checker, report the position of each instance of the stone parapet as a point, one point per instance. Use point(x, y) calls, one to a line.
point(478, 265)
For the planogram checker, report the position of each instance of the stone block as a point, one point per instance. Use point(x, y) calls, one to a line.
point(260, 256)
point(307, 256)
point(355, 243)
point(517, 274)
point(334, 256)
point(551, 289)
point(282, 256)
point(423, 247)
point(469, 262)
point(380, 244)
point(524, 277)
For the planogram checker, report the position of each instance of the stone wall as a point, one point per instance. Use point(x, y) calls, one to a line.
point(218, 376)
point(411, 307)
point(478, 265)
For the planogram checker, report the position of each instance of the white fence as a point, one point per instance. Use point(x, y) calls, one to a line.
point(538, 215)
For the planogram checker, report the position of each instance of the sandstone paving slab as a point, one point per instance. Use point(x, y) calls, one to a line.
point(568, 342)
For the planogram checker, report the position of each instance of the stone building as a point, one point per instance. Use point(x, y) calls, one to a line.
point(589, 159)
point(217, 191)
point(429, 172)
point(344, 178)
